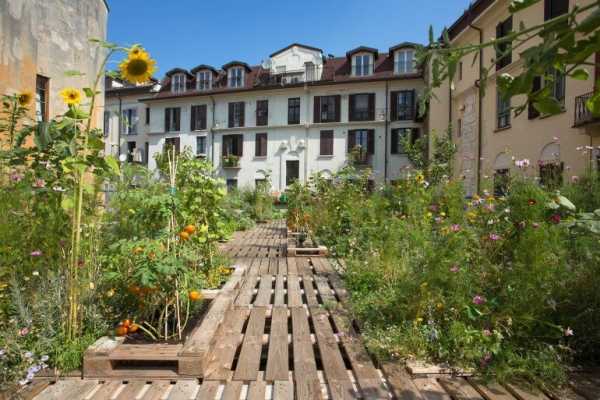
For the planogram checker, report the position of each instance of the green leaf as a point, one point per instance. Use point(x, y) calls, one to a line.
point(88, 92)
point(593, 104)
point(566, 203)
point(113, 164)
point(547, 105)
point(590, 23)
point(580, 74)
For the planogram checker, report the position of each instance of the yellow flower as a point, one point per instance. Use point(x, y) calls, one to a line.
point(71, 96)
point(471, 216)
point(25, 98)
point(138, 52)
point(419, 178)
point(440, 306)
point(138, 68)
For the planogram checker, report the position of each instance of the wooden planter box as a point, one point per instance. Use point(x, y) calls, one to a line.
point(310, 249)
point(111, 358)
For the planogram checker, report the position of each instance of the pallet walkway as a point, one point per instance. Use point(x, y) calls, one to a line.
point(287, 335)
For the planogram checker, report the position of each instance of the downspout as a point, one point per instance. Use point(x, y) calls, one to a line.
point(212, 134)
point(306, 129)
point(120, 126)
point(385, 135)
point(479, 84)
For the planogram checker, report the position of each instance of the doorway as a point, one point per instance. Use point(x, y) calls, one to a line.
point(292, 171)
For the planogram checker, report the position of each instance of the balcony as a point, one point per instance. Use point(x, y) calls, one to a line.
point(583, 116)
point(310, 74)
point(231, 161)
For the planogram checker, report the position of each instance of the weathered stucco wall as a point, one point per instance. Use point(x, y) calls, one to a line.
point(49, 37)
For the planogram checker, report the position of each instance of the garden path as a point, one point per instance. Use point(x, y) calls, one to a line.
point(288, 335)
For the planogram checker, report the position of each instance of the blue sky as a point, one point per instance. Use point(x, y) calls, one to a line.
point(185, 33)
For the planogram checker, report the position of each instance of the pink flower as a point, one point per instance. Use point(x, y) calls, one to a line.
point(555, 218)
point(569, 332)
point(486, 359)
point(487, 333)
point(16, 177)
point(23, 331)
point(574, 179)
point(494, 237)
point(454, 268)
point(36, 253)
point(455, 228)
point(535, 225)
point(39, 183)
point(479, 300)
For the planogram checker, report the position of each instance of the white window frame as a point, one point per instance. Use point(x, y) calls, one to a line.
point(234, 72)
point(203, 76)
point(205, 145)
point(178, 83)
point(404, 61)
point(359, 68)
point(130, 121)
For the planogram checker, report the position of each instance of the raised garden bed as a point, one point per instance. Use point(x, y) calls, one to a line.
point(304, 245)
point(112, 357)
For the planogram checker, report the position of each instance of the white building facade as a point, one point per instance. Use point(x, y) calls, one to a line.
point(297, 114)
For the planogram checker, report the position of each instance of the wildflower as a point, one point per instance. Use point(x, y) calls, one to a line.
point(569, 332)
point(35, 273)
point(479, 300)
point(535, 225)
point(522, 224)
point(16, 177)
point(24, 98)
point(71, 96)
point(523, 163)
point(419, 178)
point(455, 228)
point(138, 52)
point(555, 218)
point(59, 189)
point(485, 360)
point(574, 179)
point(438, 220)
point(532, 202)
point(110, 293)
point(28, 354)
point(487, 333)
point(471, 216)
point(23, 331)
point(434, 208)
point(39, 183)
point(36, 253)
point(454, 268)
point(494, 237)
point(2, 353)
point(138, 67)
point(44, 358)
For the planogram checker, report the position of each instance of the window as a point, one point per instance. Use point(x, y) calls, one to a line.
point(362, 65)
point(106, 123)
point(405, 61)
point(551, 174)
point(178, 83)
point(200, 145)
point(362, 107)
point(172, 143)
point(363, 139)
point(501, 181)
point(233, 145)
point(147, 115)
point(235, 77)
point(130, 121)
point(294, 111)
point(232, 184)
point(262, 112)
point(532, 112)
point(260, 183)
point(503, 50)
point(310, 71)
point(204, 80)
point(403, 105)
point(557, 82)
point(326, 143)
point(130, 151)
point(172, 119)
point(236, 114)
point(399, 135)
point(327, 108)
point(555, 8)
point(146, 152)
point(41, 98)
point(260, 145)
point(198, 118)
point(502, 111)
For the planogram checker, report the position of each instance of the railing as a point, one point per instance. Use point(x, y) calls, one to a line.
point(582, 114)
point(359, 156)
point(309, 74)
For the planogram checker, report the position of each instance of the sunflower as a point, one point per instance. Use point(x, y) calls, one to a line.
point(137, 68)
point(138, 52)
point(71, 96)
point(24, 98)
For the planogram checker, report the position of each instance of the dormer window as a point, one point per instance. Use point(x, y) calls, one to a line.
point(404, 62)
point(204, 80)
point(362, 65)
point(178, 83)
point(235, 77)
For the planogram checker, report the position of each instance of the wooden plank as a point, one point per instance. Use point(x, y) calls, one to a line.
point(303, 266)
point(431, 389)
point(247, 291)
point(106, 391)
point(184, 390)
point(459, 388)
point(279, 299)
point(400, 383)
point(291, 266)
point(331, 357)
point(208, 390)
point(263, 298)
point(131, 391)
point(283, 390)
point(339, 288)
point(256, 390)
point(157, 390)
point(146, 352)
point(282, 268)
point(309, 291)
point(264, 266)
point(273, 266)
point(367, 377)
point(277, 360)
point(32, 390)
point(305, 368)
point(525, 392)
point(221, 356)
point(232, 391)
point(293, 291)
point(249, 360)
point(68, 389)
point(585, 386)
point(324, 289)
point(491, 390)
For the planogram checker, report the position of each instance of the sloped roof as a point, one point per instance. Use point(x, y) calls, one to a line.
point(295, 44)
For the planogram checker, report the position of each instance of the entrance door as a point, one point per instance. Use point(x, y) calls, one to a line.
point(292, 171)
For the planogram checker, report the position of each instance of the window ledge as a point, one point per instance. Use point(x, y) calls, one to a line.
point(325, 156)
point(259, 158)
point(544, 116)
point(505, 128)
point(200, 130)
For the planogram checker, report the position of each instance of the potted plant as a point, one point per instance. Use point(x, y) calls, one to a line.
point(231, 161)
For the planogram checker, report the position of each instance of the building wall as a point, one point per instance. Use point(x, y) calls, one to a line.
point(49, 37)
point(524, 139)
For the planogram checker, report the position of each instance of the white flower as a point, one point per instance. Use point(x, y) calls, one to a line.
point(569, 332)
point(44, 358)
point(35, 273)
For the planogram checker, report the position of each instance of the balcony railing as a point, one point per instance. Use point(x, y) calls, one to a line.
point(309, 74)
point(583, 115)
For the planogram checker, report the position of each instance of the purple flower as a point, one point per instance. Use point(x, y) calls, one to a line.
point(478, 300)
point(455, 228)
point(494, 237)
point(36, 253)
point(16, 177)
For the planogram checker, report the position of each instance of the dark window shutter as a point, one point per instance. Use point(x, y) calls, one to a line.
point(351, 101)
point(395, 139)
point(177, 119)
point(531, 110)
point(394, 106)
point(371, 141)
point(317, 109)
point(547, 9)
point(413, 105)
point(167, 119)
point(231, 109)
point(193, 118)
point(204, 113)
point(371, 106)
point(338, 109)
point(326, 143)
point(240, 144)
point(242, 113)
point(351, 140)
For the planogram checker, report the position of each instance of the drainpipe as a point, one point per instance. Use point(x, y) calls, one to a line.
point(212, 134)
point(120, 126)
point(306, 129)
point(385, 135)
point(479, 84)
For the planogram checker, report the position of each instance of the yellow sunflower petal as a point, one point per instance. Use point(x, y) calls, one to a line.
point(137, 69)
point(25, 98)
point(71, 96)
